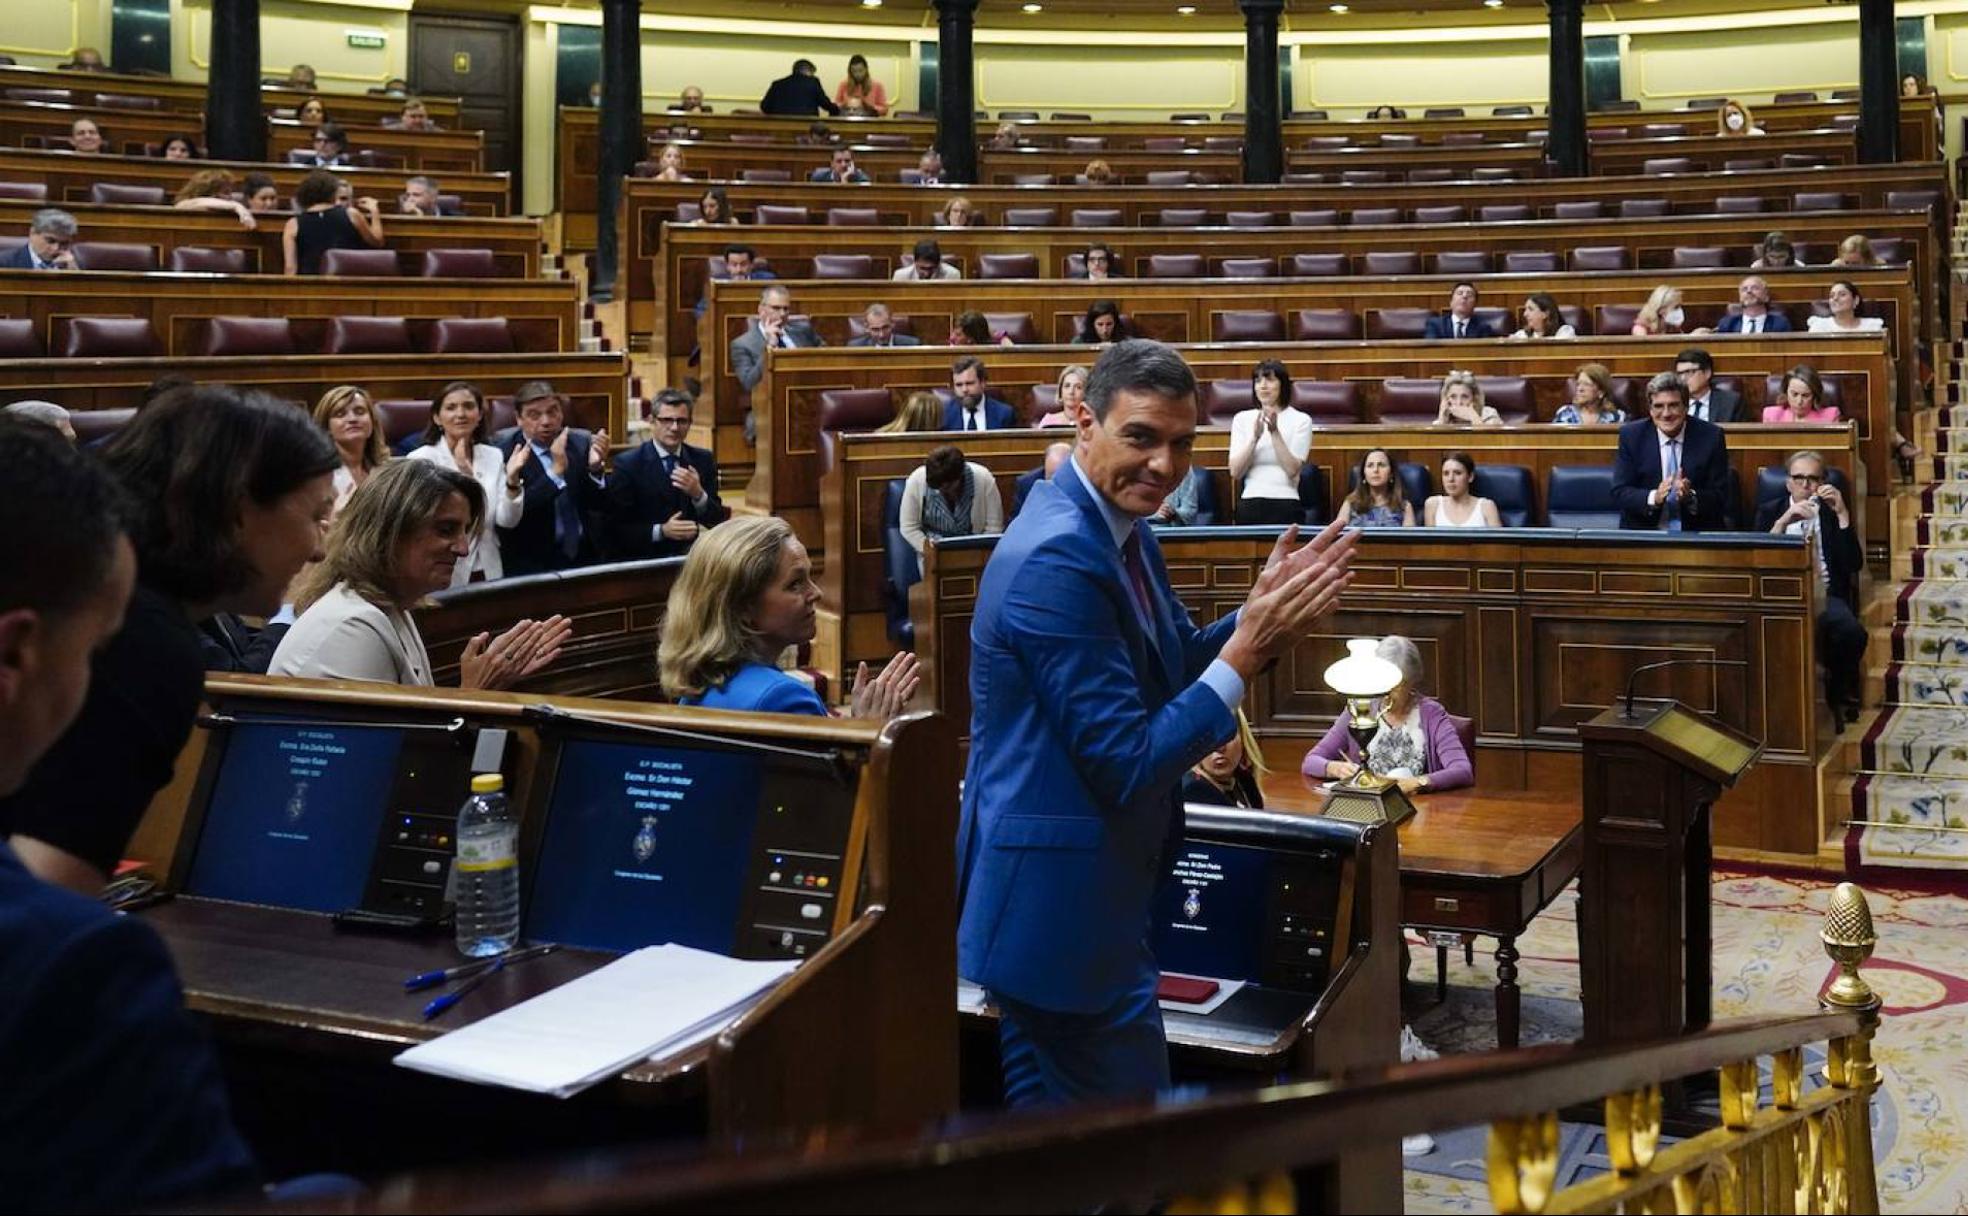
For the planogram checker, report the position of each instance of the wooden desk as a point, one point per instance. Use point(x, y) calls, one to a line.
point(69, 176)
point(188, 96)
point(1480, 861)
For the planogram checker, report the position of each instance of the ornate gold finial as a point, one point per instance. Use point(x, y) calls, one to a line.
point(1848, 938)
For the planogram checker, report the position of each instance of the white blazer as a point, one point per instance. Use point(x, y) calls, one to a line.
point(345, 637)
point(502, 510)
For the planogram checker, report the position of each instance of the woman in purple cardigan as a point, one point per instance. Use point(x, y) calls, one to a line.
point(1416, 744)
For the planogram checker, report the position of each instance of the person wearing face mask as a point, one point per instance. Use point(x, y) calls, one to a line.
point(1734, 119)
point(1661, 314)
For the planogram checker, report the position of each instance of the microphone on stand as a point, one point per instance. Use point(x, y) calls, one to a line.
point(1628, 713)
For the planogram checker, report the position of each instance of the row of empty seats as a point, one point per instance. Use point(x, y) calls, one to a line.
point(82, 97)
point(1613, 106)
point(134, 337)
point(195, 259)
point(1327, 217)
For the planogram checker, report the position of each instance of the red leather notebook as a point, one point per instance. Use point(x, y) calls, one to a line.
point(1185, 989)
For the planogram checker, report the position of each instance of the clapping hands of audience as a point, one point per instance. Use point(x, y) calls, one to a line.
point(493, 663)
point(883, 696)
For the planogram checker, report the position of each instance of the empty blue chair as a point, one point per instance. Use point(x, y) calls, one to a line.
point(1580, 496)
point(1509, 487)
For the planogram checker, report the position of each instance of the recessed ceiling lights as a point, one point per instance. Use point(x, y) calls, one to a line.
point(1492, 3)
point(1187, 10)
point(1338, 8)
point(871, 3)
point(1035, 8)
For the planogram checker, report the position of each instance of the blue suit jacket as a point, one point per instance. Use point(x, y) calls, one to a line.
point(1774, 322)
point(528, 547)
point(1637, 473)
point(1442, 325)
point(998, 415)
point(18, 258)
point(1081, 729)
point(112, 1096)
point(640, 499)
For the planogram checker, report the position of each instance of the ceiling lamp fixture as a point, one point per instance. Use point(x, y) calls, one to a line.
point(1035, 8)
point(1492, 3)
point(1338, 8)
point(1187, 10)
point(871, 3)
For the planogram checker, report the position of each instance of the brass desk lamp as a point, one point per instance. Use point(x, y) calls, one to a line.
point(1362, 678)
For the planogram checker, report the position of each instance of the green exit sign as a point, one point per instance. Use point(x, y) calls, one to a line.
point(371, 42)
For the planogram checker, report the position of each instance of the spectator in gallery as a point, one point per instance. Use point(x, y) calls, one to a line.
point(1004, 138)
point(85, 59)
point(300, 76)
point(926, 264)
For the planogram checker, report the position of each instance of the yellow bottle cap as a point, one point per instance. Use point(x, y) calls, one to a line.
point(488, 783)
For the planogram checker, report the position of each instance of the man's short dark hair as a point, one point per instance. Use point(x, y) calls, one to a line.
point(928, 250)
point(1667, 382)
point(805, 66)
point(194, 458)
point(1699, 357)
point(1139, 365)
point(943, 466)
point(536, 390)
point(965, 364)
point(64, 513)
point(1470, 284)
point(742, 249)
point(333, 133)
point(672, 396)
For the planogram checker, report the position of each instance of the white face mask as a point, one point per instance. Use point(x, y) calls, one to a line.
point(1735, 121)
point(1674, 316)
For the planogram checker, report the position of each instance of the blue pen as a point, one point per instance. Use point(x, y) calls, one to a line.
point(431, 979)
point(448, 999)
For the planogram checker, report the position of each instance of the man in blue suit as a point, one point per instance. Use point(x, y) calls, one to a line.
point(1461, 320)
point(1093, 693)
point(1672, 471)
point(663, 493)
point(564, 483)
point(112, 1097)
point(1756, 317)
point(975, 409)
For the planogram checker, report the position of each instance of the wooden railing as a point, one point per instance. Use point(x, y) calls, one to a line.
point(1283, 1149)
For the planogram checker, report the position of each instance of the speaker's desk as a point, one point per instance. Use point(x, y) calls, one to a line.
point(1483, 862)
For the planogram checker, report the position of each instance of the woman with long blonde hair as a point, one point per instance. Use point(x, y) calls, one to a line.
point(921, 411)
point(747, 594)
point(348, 416)
point(1661, 314)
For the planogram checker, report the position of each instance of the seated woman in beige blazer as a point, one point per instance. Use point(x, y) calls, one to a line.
point(399, 539)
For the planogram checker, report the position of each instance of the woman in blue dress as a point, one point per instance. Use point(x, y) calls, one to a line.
point(746, 594)
point(1376, 500)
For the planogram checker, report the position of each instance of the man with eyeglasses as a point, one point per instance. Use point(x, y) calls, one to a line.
point(1813, 507)
point(50, 243)
point(330, 146)
point(665, 491)
point(1671, 474)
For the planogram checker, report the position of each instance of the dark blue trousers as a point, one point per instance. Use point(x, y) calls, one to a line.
point(1051, 1058)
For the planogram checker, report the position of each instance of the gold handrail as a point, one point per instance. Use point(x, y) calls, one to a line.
point(1806, 1153)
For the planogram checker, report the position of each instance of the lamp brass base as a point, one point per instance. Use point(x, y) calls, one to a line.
point(1376, 801)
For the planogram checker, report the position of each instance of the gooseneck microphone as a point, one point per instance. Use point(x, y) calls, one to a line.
point(1646, 667)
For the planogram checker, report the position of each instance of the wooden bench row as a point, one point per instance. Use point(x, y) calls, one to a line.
point(1529, 633)
point(37, 124)
point(786, 479)
point(513, 240)
point(597, 385)
point(188, 96)
point(679, 281)
point(1215, 310)
point(69, 176)
point(543, 314)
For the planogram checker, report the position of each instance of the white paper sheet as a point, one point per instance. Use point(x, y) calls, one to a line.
point(644, 1005)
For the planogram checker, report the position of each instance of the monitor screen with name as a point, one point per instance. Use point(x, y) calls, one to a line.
point(646, 842)
point(294, 814)
point(1211, 911)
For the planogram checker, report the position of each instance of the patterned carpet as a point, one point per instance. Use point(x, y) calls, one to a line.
point(1768, 960)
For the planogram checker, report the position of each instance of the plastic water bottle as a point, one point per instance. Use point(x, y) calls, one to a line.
point(487, 870)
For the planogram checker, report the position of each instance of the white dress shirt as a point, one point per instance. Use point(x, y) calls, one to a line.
point(502, 510)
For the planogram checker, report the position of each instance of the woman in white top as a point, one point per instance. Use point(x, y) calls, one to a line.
point(1542, 318)
point(1462, 403)
point(403, 533)
point(1268, 447)
point(1844, 301)
point(349, 417)
point(1455, 506)
point(948, 496)
point(455, 440)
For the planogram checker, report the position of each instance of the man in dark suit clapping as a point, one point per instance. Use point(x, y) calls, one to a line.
point(663, 493)
point(1672, 471)
point(563, 483)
